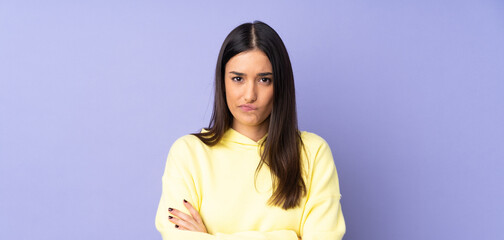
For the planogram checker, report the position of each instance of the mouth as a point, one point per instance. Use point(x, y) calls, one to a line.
point(247, 107)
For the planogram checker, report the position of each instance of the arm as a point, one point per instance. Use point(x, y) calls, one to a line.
point(178, 184)
point(194, 223)
point(322, 217)
point(169, 231)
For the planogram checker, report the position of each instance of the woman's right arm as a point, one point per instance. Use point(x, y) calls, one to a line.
point(177, 185)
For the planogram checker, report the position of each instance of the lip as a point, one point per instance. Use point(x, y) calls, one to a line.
point(247, 107)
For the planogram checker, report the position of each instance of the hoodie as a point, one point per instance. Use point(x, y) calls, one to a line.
point(232, 199)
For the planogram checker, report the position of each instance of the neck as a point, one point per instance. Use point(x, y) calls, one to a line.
point(253, 132)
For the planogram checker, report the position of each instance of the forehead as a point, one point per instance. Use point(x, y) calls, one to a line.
point(249, 61)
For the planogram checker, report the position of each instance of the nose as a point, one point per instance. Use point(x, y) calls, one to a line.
point(250, 92)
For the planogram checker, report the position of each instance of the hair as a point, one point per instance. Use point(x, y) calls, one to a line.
point(281, 150)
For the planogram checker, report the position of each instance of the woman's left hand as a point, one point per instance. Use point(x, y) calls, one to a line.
point(183, 221)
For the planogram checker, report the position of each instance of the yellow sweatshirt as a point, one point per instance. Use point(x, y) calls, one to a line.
point(219, 182)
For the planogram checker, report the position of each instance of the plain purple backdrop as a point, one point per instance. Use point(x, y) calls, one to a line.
point(409, 95)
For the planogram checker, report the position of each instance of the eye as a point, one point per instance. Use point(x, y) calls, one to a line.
point(266, 80)
point(237, 79)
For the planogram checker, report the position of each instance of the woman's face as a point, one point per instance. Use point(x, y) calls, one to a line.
point(248, 80)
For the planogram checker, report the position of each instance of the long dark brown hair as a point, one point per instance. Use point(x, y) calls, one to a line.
point(282, 147)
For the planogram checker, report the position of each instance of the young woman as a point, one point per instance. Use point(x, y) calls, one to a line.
point(251, 174)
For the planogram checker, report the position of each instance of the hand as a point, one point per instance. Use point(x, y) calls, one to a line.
point(183, 221)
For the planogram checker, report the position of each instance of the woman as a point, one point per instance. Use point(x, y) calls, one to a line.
point(251, 174)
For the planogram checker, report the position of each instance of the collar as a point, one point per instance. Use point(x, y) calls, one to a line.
point(231, 135)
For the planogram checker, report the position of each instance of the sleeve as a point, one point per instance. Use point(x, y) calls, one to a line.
point(322, 215)
point(178, 184)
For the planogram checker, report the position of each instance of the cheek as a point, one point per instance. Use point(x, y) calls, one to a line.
point(229, 94)
point(227, 90)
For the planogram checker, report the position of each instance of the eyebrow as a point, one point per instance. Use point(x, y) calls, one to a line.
point(259, 74)
point(264, 74)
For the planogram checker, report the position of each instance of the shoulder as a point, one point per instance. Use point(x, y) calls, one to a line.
point(316, 150)
point(185, 144)
point(185, 152)
point(187, 139)
point(320, 166)
point(312, 140)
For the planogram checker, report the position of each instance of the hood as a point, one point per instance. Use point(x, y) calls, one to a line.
point(234, 136)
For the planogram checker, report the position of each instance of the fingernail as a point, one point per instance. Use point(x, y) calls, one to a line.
point(170, 209)
point(185, 200)
point(170, 217)
point(176, 226)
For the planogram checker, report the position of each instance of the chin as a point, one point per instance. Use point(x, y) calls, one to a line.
point(249, 123)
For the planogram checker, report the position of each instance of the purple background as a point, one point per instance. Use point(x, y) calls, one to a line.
point(410, 97)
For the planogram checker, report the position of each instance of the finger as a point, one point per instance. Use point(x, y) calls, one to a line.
point(181, 224)
point(194, 213)
point(180, 215)
point(183, 228)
